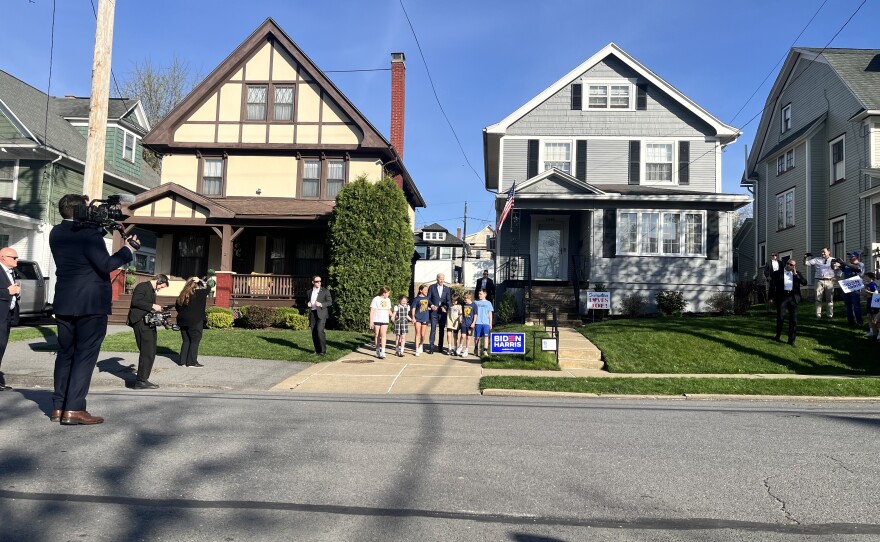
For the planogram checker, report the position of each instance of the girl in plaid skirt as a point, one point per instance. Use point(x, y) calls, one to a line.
point(401, 318)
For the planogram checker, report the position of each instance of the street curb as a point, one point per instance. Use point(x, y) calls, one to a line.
point(494, 392)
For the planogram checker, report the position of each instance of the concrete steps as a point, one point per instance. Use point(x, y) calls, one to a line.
point(577, 352)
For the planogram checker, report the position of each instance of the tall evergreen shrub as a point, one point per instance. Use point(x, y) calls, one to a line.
point(371, 245)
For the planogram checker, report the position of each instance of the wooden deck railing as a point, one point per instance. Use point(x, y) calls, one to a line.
point(267, 286)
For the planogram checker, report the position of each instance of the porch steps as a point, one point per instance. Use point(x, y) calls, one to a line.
point(561, 297)
point(577, 352)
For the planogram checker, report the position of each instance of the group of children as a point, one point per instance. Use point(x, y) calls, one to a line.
point(464, 318)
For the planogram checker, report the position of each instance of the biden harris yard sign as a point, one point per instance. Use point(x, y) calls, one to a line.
point(507, 343)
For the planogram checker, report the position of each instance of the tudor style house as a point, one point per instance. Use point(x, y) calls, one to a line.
point(42, 158)
point(617, 184)
point(252, 161)
point(814, 166)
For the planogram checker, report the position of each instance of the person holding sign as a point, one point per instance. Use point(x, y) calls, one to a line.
point(852, 299)
point(870, 291)
point(825, 267)
point(787, 284)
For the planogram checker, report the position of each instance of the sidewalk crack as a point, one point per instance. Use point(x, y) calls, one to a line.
point(785, 511)
point(839, 462)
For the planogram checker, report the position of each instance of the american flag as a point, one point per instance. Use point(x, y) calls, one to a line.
point(508, 205)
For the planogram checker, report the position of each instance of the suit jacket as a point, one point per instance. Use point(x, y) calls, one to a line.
point(768, 269)
point(142, 300)
point(193, 313)
point(6, 297)
point(490, 288)
point(83, 269)
point(434, 297)
point(324, 299)
point(777, 284)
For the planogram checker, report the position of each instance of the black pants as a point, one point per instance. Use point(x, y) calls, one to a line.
point(438, 319)
point(786, 303)
point(5, 326)
point(189, 350)
point(145, 336)
point(319, 338)
point(79, 342)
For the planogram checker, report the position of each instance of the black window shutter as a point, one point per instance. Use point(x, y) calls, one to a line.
point(581, 165)
point(576, 93)
point(609, 233)
point(635, 150)
point(532, 161)
point(641, 97)
point(713, 251)
point(684, 162)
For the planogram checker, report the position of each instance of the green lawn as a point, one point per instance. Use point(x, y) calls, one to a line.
point(28, 333)
point(821, 387)
point(533, 359)
point(259, 344)
point(734, 344)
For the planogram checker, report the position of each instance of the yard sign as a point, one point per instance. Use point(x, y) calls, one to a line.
point(507, 343)
point(851, 285)
point(598, 300)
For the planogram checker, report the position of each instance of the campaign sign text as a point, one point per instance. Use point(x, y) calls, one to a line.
point(599, 300)
point(851, 285)
point(507, 343)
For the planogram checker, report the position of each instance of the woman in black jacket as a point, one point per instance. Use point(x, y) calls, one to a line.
point(191, 319)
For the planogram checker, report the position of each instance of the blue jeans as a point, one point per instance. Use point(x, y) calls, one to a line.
point(853, 304)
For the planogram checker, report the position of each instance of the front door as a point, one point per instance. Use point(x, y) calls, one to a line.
point(550, 251)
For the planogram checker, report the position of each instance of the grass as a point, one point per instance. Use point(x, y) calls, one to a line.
point(734, 344)
point(821, 387)
point(534, 358)
point(28, 333)
point(259, 344)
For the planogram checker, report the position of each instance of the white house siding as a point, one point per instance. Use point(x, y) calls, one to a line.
point(696, 278)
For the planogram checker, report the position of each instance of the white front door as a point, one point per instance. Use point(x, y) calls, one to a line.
point(549, 251)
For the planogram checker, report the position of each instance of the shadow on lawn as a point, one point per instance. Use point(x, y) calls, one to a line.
point(286, 343)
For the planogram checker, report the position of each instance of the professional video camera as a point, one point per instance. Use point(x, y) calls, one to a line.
point(161, 318)
point(105, 215)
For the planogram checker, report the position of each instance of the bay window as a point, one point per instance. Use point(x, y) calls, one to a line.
point(661, 233)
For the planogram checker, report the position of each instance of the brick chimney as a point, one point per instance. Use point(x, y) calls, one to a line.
point(398, 100)
point(458, 232)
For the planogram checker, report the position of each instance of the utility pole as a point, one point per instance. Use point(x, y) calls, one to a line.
point(463, 242)
point(94, 173)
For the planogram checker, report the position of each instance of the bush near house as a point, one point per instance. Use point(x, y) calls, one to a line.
point(720, 302)
point(371, 245)
point(290, 318)
point(505, 312)
point(259, 317)
point(671, 302)
point(633, 304)
point(219, 318)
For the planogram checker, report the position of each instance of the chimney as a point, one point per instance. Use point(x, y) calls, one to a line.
point(398, 100)
point(458, 232)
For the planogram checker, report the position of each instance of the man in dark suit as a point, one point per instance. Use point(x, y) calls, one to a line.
point(439, 299)
point(487, 284)
point(786, 285)
point(10, 292)
point(82, 303)
point(772, 266)
point(143, 301)
point(318, 301)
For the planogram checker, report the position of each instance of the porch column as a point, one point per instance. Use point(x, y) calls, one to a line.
point(223, 291)
point(227, 235)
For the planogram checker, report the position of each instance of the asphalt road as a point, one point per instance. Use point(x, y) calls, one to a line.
point(262, 466)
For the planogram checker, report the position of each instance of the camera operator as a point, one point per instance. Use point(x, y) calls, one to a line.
point(191, 319)
point(143, 301)
point(82, 303)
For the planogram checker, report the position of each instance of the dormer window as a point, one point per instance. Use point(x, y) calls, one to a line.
point(434, 235)
point(786, 118)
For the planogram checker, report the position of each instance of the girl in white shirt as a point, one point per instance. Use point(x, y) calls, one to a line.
point(380, 315)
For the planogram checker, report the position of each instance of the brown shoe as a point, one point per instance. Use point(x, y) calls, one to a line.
point(56, 415)
point(79, 417)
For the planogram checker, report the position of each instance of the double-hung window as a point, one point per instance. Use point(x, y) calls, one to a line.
point(557, 154)
point(283, 104)
point(257, 96)
point(212, 177)
point(786, 118)
point(838, 159)
point(311, 181)
point(128, 146)
point(609, 96)
point(838, 228)
point(661, 233)
point(785, 162)
point(785, 209)
point(7, 179)
point(658, 162)
point(335, 177)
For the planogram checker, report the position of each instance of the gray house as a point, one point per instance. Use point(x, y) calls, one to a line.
point(618, 185)
point(814, 167)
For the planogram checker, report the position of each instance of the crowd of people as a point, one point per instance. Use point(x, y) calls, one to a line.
point(784, 283)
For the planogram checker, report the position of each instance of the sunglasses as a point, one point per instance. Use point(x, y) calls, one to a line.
point(13, 257)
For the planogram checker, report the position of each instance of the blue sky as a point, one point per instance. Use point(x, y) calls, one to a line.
point(486, 58)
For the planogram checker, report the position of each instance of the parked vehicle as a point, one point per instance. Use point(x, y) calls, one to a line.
point(34, 290)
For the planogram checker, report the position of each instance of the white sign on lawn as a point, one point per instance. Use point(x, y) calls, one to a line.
point(851, 285)
point(599, 300)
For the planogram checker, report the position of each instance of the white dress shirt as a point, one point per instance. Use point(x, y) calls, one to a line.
point(11, 281)
point(824, 271)
point(787, 280)
point(315, 298)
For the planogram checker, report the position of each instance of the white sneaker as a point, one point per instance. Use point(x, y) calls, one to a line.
point(378, 353)
point(464, 354)
point(869, 335)
point(419, 351)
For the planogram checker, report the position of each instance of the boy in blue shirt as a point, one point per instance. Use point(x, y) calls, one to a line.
point(483, 323)
point(468, 315)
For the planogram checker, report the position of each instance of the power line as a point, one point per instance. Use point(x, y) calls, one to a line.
point(364, 70)
point(49, 85)
point(431, 80)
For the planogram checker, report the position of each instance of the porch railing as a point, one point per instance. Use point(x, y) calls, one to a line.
point(515, 268)
point(267, 286)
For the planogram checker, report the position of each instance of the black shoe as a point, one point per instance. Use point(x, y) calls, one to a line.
point(791, 343)
point(196, 365)
point(777, 339)
point(145, 385)
point(4, 387)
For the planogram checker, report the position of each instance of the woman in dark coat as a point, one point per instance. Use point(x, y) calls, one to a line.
point(191, 319)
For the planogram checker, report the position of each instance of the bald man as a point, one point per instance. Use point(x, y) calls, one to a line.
point(9, 295)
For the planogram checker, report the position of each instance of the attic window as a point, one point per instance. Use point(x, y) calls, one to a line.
point(434, 235)
point(610, 96)
point(256, 102)
point(786, 118)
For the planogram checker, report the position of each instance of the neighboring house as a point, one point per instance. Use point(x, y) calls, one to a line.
point(253, 159)
point(481, 243)
point(439, 252)
point(42, 158)
point(814, 167)
point(744, 253)
point(618, 183)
